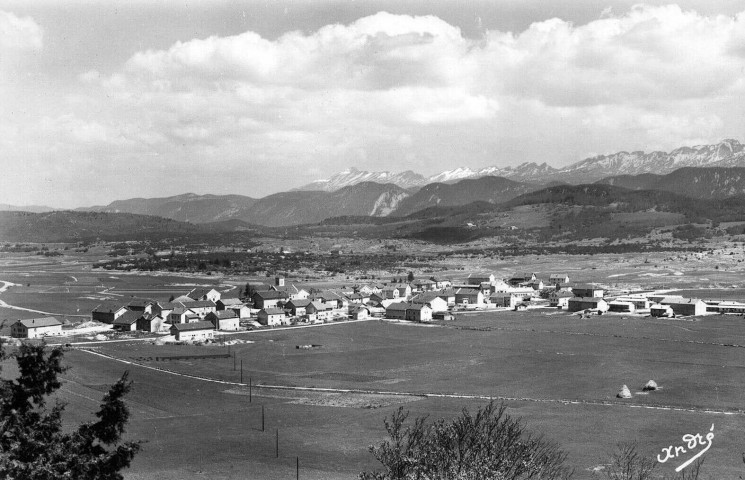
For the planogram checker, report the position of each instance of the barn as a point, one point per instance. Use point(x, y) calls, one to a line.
point(36, 327)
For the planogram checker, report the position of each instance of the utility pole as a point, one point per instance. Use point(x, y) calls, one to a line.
point(276, 444)
point(241, 370)
point(249, 389)
point(262, 418)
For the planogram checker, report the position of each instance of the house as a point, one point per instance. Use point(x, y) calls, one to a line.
point(107, 312)
point(441, 283)
point(585, 290)
point(270, 299)
point(226, 303)
point(469, 296)
point(361, 312)
point(291, 291)
point(521, 279)
point(144, 306)
point(297, 308)
point(396, 310)
point(317, 310)
point(621, 307)
point(521, 307)
point(148, 322)
point(658, 298)
point(166, 309)
point(271, 316)
point(508, 300)
point(685, 306)
point(241, 311)
point(127, 322)
point(425, 285)
point(358, 298)
point(223, 320)
point(559, 299)
point(334, 299)
point(380, 298)
point(387, 293)
point(658, 310)
point(418, 312)
point(204, 293)
point(536, 284)
point(435, 302)
point(202, 307)
point(374, 302)
point(365, 289)
point(639, 302)
point(36, 327)
point(558, 279)
point(235, 305)
point(404, 291)
point(179, 314)
point(479, 278)
point(576, 304)
point(727, 307)
point(448, 295)
point(500, 286)
point(201, 330)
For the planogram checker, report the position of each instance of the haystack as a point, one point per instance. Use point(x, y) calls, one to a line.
point(651, 385)
point(624, 393)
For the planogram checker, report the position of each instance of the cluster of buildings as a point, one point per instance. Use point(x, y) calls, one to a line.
point(202, 311)
point(194, 316)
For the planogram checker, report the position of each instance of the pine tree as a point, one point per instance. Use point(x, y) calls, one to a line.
point(32, 443)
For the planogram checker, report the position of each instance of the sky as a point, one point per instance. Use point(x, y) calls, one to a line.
point(102, 101)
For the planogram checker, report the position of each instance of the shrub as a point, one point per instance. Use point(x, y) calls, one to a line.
point(487, 445)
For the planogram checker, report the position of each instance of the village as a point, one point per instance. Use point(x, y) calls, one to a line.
point(202, 312)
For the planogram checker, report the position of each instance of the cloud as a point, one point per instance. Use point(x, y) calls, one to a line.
point(646, 55)
point(19, 34)
point(347, 94)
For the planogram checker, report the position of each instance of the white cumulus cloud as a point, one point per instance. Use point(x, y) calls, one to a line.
point(346, 94)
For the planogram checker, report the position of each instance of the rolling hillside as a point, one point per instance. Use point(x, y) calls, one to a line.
point(303, 207)
point(486, 189)
point(188, 207)
point(70, 226)
point(708, 183)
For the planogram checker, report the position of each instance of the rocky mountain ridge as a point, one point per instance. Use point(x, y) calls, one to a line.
point(727, 153)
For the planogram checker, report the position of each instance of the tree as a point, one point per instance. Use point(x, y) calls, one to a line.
point(487, 445)
point(32, 443)
point(410, 277)
point(250, 291)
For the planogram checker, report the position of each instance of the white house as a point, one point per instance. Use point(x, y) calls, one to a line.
point(202, 293)
point(271, 316)
point(193, 331)
point(36, 327)
point(587, 303)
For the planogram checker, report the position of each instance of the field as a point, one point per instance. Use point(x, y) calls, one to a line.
point(559, 372)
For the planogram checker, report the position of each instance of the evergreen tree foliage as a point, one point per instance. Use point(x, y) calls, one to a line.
point(33, 445)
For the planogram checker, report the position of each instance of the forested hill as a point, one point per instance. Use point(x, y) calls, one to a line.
point(625, 200)
point(73, 226)
point(713, 182)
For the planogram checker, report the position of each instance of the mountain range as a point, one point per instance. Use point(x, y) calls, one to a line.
point(727, 153)
point(705, 172)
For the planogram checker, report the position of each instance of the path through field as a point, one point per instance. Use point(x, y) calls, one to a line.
point(424, 395)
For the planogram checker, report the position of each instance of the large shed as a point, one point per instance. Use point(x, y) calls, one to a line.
point(36, 327)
